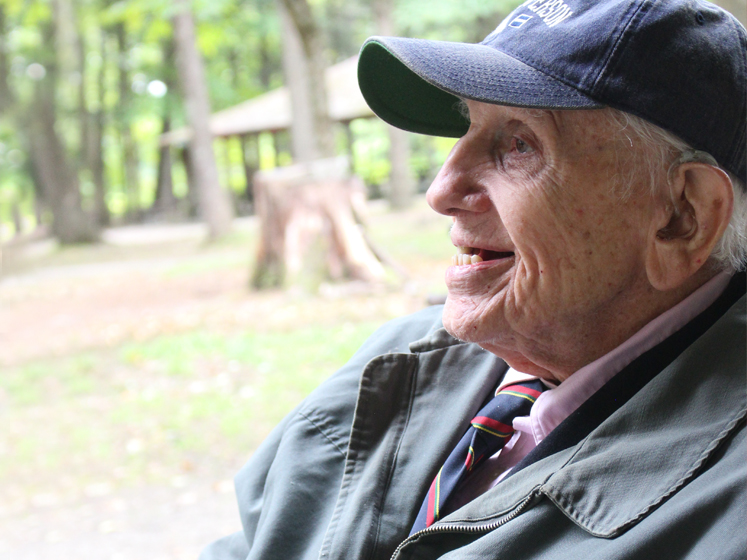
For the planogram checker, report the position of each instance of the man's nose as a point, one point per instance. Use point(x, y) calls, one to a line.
point(456, 189)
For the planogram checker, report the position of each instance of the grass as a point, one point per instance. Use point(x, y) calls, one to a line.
point(166, 401)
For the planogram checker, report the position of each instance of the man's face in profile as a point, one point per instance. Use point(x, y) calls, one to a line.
point(536, 195)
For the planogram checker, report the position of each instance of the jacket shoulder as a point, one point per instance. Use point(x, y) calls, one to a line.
point(298, 468)
point(331, 406)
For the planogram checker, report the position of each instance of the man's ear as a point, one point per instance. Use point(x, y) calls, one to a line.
point(688, 226)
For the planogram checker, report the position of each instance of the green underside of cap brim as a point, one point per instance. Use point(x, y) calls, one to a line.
point(405, 100)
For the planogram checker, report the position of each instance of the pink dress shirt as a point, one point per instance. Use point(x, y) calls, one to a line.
point(556, 404)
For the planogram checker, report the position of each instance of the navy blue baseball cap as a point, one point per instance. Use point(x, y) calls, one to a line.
point(679, 64)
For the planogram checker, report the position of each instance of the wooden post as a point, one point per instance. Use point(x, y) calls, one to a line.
point(249, 163)
point(192, 194)
point(226, 148)
point(350, 144)
point(15, 211)
point(276, 147)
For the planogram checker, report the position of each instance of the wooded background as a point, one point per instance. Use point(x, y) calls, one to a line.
point(87, 87)
point(137, 375)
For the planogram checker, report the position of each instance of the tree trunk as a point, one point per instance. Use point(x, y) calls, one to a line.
point(193, 195)
point(165, 201)
point(225, 148)
point(265, 62)
point(304, 67)
point(15, 212)
point(309, 233)
point(85, 120)
point(91, 124)
point(129, 150)
point(40, 201)
point(51, 166)
point(250, 163)
point(6, 97)
point(70, 224)
point(215, 206)
point(401, 182)
point(96, 146)
point(98, 170)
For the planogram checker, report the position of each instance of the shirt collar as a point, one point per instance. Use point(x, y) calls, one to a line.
point(554, 406)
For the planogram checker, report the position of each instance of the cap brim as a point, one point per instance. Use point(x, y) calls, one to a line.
point(416, 84)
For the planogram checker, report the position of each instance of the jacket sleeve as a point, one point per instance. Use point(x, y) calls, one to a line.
point(288, 489)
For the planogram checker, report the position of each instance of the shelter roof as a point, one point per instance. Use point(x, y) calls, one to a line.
point(272, 111)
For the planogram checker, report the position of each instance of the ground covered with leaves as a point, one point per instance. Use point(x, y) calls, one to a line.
point(138, 375)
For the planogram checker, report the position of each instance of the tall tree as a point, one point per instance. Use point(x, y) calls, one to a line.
point(215, 205)
point(57, 178)
point(124, 118)
point(264, 49)
point(165, 201)
point(95, 146)
point(304, 67)
point(91, 122)
point(401, 181)
point(6, 98)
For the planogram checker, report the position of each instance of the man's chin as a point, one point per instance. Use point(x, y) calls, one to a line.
point(454, 333)
point(458, 323)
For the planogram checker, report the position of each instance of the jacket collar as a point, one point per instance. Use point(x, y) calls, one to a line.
point(434, 340)
point(412, 409)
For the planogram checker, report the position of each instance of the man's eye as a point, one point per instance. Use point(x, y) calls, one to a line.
point(521, 146)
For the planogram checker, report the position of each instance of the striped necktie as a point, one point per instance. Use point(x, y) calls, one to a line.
point(489, 431)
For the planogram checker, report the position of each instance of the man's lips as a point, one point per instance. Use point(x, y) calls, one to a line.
point(474, 255)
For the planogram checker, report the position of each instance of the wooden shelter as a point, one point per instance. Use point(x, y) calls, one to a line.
point(271, 112)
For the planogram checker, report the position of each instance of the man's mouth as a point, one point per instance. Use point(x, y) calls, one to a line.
point(473, 255)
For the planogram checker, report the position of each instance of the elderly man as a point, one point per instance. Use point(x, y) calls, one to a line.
point(582, 392)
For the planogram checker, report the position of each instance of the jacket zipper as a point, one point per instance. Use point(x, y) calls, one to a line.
point(519, 509)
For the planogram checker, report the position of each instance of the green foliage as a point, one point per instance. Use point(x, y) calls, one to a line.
point(466, 20)
point(371, 151)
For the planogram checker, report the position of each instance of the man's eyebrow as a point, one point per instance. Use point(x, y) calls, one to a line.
point(526, 113)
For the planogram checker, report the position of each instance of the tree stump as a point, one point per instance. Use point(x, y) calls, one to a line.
point(309, 231)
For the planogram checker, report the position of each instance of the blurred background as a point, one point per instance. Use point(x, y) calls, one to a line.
point(200, 220)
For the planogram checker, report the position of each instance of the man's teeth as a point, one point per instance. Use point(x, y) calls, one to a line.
point(465, 256)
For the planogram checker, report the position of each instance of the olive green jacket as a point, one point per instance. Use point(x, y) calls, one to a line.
point(653, 466)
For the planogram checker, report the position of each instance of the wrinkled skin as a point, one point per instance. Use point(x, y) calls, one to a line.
point(542, 186)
